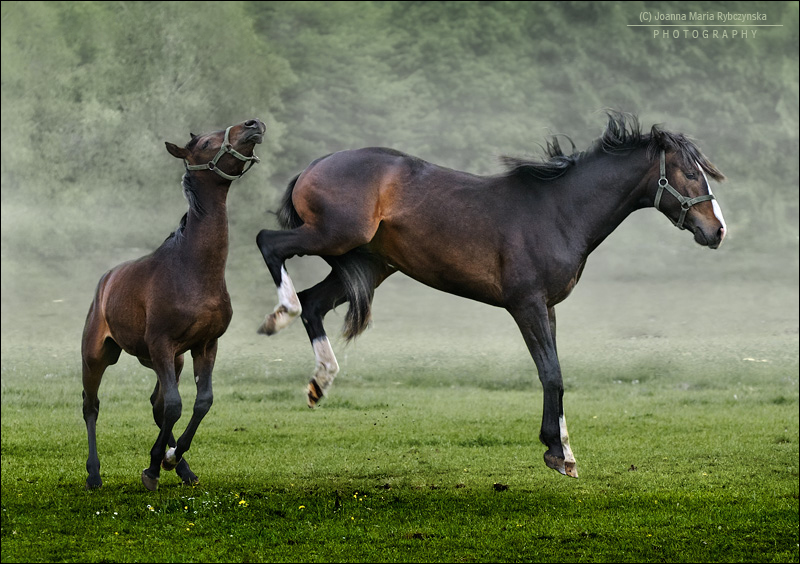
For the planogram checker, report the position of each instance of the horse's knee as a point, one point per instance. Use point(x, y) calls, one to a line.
point(203, 403)
point(172, 410)
point(91, 406)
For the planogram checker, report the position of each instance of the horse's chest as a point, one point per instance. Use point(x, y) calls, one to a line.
point(200, 321)
point(213, 316)
point(563, 282)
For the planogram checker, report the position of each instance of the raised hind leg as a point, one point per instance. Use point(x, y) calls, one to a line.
point(98, 352)
point(278, 246)
point(537, 324)
point(204, 359)
point(318, 300)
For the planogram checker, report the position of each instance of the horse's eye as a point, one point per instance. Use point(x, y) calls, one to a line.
point(205, 145)
point(690, 175)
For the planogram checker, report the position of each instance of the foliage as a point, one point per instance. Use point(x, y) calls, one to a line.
point(89, 109)
point(85, 113)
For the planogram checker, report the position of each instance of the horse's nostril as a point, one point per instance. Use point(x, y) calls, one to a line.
point(251, 123)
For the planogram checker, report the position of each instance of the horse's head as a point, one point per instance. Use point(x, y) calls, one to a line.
point(228, 153)
point(683, 192)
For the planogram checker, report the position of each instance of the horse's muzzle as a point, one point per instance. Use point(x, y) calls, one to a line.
point(254, 130)
point(711, 237)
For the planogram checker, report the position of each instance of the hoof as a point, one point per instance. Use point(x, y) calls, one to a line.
point(150, 483)
point(570, 469)
point(93, 483)
point(314, 393)
point(269, 326)
point(190, 480)
point(277, 320)
point(170, 461)
point(185, 473)
point(560, 465)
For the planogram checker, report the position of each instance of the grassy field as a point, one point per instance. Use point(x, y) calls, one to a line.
point(681, 375)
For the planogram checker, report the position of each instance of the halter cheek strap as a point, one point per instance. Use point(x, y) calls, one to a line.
point(685, 202)
point(226, 148)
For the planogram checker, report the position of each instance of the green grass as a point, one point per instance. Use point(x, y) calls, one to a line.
point(401, 470)
point(682, 411)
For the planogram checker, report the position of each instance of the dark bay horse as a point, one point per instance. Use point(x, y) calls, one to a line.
point(518, 240)
point(172, 301)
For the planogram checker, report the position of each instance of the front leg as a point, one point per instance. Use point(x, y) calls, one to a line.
point(537, 324)
point(204, 358)
point(168, 399)
point(157, 402)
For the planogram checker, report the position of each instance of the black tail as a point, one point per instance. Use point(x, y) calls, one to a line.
point(358, 271)
point(287, 215)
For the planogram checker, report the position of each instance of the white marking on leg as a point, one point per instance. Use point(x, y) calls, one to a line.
point(562, 425)
point(170, 460)
point(287, 297)
point(327, 368)
point(288, 307)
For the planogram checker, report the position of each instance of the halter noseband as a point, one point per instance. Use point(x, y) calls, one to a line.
point(685, 202)
point(226, 148)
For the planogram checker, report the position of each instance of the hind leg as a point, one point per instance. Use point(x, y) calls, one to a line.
point(98, 353)
point(316, 302)
point(288, 307)
point(278, 246)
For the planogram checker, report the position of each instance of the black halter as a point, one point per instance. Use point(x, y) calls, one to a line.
point(685, 202)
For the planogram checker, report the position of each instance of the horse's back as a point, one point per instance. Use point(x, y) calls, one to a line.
point(435, 224)
point(382, 181)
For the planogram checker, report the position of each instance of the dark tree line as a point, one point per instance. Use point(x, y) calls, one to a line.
point(91, 90)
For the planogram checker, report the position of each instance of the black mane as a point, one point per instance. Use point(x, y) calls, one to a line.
point(179, 231)
point(623, 134)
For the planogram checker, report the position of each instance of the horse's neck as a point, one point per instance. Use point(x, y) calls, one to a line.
point(206, 237)
point(609, 194)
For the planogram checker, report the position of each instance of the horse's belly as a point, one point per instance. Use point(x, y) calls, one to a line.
point(467, 267)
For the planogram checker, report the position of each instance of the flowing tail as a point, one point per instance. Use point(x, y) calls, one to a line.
point(358, 270)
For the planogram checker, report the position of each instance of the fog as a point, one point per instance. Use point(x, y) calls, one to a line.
point(87, 183)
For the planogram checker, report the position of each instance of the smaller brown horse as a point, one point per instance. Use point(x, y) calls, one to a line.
point(172, 301)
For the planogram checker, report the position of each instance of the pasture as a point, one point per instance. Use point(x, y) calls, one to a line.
point(681, 376)
point(680, 364)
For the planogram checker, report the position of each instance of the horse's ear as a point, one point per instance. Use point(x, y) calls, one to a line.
point(175, 151)
point(658, 135)
point(192, 135)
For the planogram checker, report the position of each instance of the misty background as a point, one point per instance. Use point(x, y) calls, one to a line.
point(92, 90)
